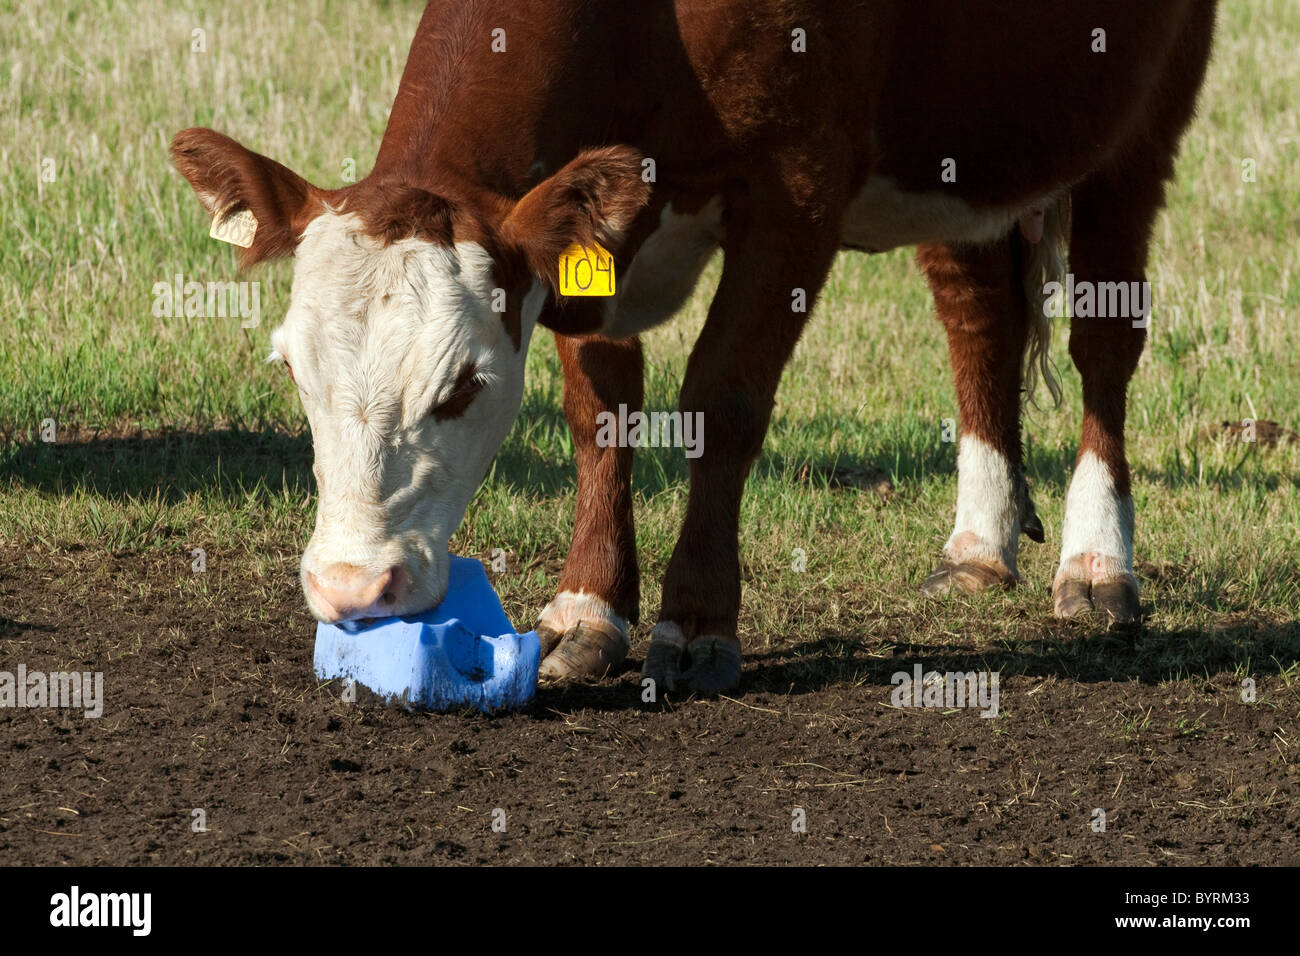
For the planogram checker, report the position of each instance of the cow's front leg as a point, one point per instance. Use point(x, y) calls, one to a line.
point(772, 273)
point(979, 295)
point(584, 630)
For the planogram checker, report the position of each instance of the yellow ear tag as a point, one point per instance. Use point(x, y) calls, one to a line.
point(586, 270)
point(237, 230)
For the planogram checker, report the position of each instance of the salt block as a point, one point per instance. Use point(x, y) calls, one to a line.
point(464, 652)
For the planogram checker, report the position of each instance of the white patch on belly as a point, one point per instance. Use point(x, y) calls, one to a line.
point(882, 216)
point(665, 269)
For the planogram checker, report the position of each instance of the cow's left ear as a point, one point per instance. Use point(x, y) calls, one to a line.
point(231, 179)
point(592, 199)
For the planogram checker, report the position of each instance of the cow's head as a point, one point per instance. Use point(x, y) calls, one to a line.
point(406, 335)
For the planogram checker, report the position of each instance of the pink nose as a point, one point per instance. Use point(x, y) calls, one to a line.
point(345, 592)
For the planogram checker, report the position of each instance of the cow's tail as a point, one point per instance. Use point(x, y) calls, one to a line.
point(1045, 261)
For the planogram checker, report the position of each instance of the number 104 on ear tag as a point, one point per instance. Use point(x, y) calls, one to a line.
point(586, 270)
point(237, 229)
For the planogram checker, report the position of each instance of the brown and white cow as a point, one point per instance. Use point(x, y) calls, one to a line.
point(995, 136)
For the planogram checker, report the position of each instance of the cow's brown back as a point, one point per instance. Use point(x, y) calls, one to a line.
point(1012, 90)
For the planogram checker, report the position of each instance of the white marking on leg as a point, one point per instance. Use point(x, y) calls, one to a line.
point(568, 608)
point(987, 528)
point(1097, 538)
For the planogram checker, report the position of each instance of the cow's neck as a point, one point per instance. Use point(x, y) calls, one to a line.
point(471, 118)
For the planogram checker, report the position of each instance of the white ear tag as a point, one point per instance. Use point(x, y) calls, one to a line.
point(237, 230)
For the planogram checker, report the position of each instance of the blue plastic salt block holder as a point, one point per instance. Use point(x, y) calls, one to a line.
point(464, 652)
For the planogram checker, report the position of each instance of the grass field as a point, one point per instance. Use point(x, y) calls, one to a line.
point(172, 433)
point(100, 89)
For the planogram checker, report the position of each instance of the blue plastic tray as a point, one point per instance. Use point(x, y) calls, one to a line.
point(464, 652)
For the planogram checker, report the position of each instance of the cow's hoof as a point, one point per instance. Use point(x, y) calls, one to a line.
point(663, 660)
point(588, 649)
point(1072, 598)
point(549, 638)
point(715, 665)
point(967, 577)
point(1117, 600)
point(1088, 584)
point(707, 666)
point(581, 636)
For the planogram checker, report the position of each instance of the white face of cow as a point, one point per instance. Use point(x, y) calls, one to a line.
point(409, 372)
point(410, 381)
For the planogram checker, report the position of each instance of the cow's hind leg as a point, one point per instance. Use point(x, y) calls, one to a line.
point(1113, 215)
point(1114, 212)
point(980, 298)
point(777, 257)
point(584, 630)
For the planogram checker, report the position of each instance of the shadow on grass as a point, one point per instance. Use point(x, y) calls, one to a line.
point(535, 461)
point(170, 464)
point(231, 464)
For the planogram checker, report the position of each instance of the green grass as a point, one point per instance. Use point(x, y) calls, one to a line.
point(99, 88)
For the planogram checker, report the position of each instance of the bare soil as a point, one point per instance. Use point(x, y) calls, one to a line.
point(212, 706)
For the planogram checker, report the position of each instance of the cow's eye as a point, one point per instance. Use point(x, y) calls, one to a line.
point(468, 384)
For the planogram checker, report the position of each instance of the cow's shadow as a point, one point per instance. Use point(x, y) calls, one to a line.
point(1084, 654)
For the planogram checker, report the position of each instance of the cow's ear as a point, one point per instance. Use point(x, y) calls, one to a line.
point(230, 179)
point(592, 199)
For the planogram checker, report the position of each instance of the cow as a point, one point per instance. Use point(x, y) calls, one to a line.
point(1005, 140)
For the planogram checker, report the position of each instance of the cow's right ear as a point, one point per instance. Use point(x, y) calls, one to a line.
point(230, 179)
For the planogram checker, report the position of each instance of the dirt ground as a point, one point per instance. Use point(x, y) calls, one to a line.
point(212, 711)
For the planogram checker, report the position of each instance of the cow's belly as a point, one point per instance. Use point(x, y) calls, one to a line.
point(883, 217)
point(665, 269)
